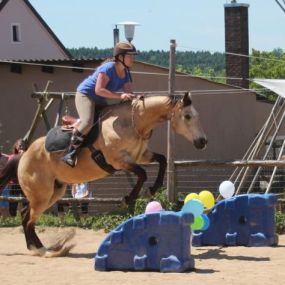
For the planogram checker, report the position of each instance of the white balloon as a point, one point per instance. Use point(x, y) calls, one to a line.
point(227, 189)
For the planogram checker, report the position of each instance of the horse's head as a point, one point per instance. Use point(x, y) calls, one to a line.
point(185, 121)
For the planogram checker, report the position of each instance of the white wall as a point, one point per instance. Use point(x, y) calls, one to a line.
point(36, 42)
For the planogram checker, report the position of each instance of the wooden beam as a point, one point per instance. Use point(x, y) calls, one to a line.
point(224, 163)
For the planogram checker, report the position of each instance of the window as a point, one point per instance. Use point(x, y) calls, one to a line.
point(16, 68)
point(47, 69)
point(76, 69)
point(16, 35)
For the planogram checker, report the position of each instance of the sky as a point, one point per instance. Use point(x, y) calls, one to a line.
point(196, 25)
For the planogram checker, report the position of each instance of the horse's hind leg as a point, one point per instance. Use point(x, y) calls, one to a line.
point(32, 239)
point(30, 215)
point(59, 247)
point(39, 193)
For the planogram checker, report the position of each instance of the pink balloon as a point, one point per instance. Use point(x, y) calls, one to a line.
point(153, 206)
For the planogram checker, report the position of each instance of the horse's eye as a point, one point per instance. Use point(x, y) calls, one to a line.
point(187, 117)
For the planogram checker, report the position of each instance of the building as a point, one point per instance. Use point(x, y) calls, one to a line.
point(231, 116)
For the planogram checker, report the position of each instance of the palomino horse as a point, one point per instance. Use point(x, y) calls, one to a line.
point(125, 130)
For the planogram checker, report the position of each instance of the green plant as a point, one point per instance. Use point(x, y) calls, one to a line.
point(280, 222)
point(110, 221)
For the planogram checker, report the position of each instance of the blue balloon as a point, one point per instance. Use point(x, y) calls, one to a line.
point(206, 222)
point(194, 206)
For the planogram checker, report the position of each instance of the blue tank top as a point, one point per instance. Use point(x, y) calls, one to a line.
point(115, 83)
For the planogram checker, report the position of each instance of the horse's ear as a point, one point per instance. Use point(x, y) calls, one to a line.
point(187, 99)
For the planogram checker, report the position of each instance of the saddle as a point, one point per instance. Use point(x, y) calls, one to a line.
point(58, 140)
point(69, 122)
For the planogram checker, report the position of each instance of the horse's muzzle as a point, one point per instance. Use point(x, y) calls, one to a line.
point(200, 143)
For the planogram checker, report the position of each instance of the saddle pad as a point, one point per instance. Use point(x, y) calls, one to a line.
point(57, 140)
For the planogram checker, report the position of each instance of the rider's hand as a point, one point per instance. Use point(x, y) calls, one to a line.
point(127, 96)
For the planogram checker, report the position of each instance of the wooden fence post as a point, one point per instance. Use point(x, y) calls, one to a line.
point(171, 179)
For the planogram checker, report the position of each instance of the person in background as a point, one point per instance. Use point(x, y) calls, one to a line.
point(110, 77)
point(79, 191)
point(3, 160)
point(19, 148)
point(4, 205)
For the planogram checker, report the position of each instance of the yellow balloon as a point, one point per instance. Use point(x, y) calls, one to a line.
point(191, 196)
point(207, 198)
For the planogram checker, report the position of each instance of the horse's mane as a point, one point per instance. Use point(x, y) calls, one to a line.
point(146, 101)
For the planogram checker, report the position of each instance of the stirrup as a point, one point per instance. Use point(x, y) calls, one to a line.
point(70, 158)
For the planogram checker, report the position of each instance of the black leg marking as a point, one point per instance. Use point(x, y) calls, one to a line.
point(141, 174)
point(161, 172)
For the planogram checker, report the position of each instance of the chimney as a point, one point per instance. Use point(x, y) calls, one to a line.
point(116, 35)
point(236, 42)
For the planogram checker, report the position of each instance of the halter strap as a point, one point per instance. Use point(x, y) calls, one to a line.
point(127, 68)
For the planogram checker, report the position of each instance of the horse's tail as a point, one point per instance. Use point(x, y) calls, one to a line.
point(9, 172)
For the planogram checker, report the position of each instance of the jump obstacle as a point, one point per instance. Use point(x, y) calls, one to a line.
point(246, 220)
point(157, 241)
point(161, 241)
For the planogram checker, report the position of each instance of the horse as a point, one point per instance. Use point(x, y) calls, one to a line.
point(125, 131)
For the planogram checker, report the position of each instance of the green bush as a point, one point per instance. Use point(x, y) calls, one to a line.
point(110, 221)
point(280, 222)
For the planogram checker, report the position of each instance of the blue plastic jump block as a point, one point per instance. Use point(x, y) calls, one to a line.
point(246, 220)
point(159, 241)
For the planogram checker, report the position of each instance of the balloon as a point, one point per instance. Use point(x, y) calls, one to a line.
point(227, 189)
point(153, 206)
point(194, 207)
point(190, 197)
point(206, 222)
point(198, 223)
point(207, 198)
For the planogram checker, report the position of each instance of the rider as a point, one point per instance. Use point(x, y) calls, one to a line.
point(110, 77)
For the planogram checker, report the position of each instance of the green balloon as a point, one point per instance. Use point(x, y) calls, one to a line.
point(198, 223)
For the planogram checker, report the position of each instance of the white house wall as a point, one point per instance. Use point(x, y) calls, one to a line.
point(36, 42)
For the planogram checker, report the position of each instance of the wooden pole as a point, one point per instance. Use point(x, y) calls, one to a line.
point(171, 183)
point(267, 152)
point(224, 163)
point(42, 103)
point(275, 168)
point(268, 126)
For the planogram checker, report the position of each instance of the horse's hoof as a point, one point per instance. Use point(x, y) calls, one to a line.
point(38, 251)
point(146, 193)
point(59, 253)
point(129, 203)
point(123, 205)
point(152, 190)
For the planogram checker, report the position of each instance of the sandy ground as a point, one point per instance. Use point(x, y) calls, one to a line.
point(214, 265)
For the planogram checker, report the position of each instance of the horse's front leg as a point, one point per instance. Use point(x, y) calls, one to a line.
point(149, 157)
point(141, 174)
point(161, 171)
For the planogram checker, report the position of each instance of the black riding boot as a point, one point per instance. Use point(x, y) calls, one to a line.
point(76, 141)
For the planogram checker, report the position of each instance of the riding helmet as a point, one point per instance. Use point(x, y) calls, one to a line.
point(124, 48)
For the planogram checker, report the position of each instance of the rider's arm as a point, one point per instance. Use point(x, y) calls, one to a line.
point(101, 90)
